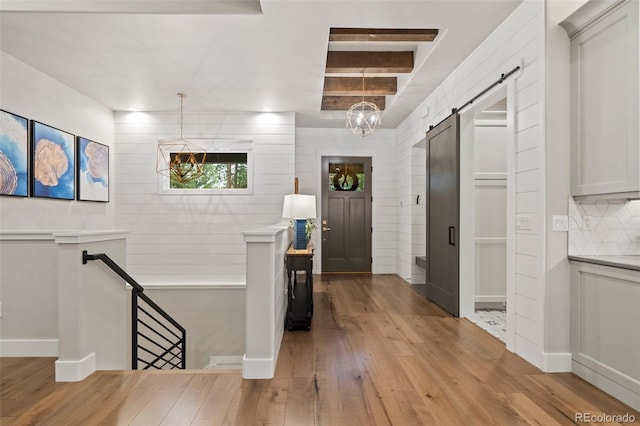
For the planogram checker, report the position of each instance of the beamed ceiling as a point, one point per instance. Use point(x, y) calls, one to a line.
point(305, 57)
point(372, 67)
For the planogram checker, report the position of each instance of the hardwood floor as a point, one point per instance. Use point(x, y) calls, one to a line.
point(377, 354)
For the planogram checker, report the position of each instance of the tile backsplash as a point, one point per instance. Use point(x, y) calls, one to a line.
point(604, 227)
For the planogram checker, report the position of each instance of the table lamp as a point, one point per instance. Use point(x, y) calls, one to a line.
point(299, 207)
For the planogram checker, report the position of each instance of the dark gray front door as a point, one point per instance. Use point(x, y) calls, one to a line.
point(443, 143)
point(346, 214)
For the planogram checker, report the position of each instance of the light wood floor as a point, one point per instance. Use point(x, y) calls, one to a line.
point(377, 354)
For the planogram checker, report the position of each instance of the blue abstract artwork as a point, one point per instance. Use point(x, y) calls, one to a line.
point(93, 171)
point(14, 147)
point(53, 160)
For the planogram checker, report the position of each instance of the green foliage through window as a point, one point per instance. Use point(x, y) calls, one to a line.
point(222, 170)
point(346, 177)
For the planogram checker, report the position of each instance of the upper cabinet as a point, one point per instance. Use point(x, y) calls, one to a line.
point(605, 149)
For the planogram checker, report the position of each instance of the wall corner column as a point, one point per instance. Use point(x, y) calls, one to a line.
point(89, 340)
point(265, 301)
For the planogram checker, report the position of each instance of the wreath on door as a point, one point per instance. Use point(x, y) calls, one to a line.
point(345, 181)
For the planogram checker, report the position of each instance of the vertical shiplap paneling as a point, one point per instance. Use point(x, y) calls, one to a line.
point(313, 144)
point(518, 41)
point(418, 212)
point(184, 239)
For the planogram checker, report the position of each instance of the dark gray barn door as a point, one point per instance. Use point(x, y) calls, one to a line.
point(443, 143)
point(346, 214)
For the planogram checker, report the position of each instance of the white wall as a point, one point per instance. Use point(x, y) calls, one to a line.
point(54, 305)
point(34, 95)
point(29, 269)
point(558, 167)
point(266, 299)
point(214, 318)
point(29, 296)
point(186, 239)
point(312, 144)
point(418, 204)
point(94, 308)
point(518, 41)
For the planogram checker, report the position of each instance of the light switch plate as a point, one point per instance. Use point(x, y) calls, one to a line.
point(560, 223)
point(523, 222)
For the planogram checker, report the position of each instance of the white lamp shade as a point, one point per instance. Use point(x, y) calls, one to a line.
point(298, 206)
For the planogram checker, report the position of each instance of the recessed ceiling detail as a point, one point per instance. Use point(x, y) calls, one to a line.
point(239, 55)
point(376, 53)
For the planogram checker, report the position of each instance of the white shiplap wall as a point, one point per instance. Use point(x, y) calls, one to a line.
point(418, 206)
point(186, 239)
point(518, 41)
point(313, 144)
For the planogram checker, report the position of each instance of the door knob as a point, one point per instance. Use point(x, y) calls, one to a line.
point(325, 228)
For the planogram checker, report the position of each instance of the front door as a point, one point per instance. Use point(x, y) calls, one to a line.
point(345, 225)
point(443, 162)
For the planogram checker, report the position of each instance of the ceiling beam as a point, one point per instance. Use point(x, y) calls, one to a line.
point(343, 103)
point(363, 62)
point(382, 34)
point(345, 86)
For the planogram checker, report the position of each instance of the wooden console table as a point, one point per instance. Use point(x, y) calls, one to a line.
point(300, 295)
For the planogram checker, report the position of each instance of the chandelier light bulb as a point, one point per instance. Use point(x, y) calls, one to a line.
point(363, 118)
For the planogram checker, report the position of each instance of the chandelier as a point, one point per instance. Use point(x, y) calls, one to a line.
point(179, 159)
point(363, 118)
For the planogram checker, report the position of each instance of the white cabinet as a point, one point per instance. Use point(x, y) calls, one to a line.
point(605, 329)
point(605, 149)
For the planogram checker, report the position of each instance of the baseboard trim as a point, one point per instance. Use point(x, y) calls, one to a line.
point(489, 306)
point(258, 368)
point(556, 362)
point(225, 362)
point(195, 286)
point(75, 371)
point(604, 383)
point(28, 348)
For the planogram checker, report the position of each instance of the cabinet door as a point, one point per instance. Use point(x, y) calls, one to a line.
point(605, 340)
point(604, 110)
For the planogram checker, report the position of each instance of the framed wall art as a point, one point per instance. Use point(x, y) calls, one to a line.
point(14, 148)
point(93, 171)
point(52, 162)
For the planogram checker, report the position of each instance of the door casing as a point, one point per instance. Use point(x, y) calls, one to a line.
point(467, 213)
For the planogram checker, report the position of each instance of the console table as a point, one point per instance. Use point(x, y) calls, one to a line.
point(300, 295)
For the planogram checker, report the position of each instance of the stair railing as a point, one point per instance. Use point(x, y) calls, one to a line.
point(157, 340)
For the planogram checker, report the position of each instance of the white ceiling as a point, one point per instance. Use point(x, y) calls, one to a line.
point(233, 55)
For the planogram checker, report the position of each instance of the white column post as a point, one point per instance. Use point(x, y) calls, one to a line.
point(266, 303)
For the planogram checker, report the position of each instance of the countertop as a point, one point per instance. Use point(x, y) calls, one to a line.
point(626, 262)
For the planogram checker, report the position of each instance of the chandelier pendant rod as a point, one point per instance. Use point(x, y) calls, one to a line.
point(181, 115)
point(362, 84)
